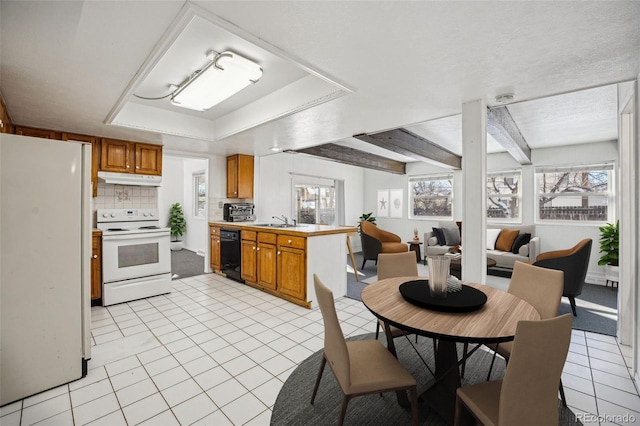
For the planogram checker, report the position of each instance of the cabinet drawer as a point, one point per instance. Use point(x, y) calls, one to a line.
point(266, 237)
point(290, 241)
point(248, 235)
point(214, 231)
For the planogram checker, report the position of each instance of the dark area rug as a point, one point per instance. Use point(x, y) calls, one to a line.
point(293, 407)
point(597, 305)
point(185, 263)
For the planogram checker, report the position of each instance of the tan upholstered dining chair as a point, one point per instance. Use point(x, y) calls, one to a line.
point(542, 289)
point(528, 394)
point(360, 367)
point(391, 265)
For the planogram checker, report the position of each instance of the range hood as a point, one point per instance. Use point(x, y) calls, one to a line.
point(129, 179)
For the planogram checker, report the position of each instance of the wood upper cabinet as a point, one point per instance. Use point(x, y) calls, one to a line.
point(36, 133)
point(95, 156)
point(96, 267)
point(214, 234)
point(130, 157)
point(240, 176)
point(292, 262)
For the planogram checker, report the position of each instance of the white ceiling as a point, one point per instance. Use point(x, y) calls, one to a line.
point(331, 69)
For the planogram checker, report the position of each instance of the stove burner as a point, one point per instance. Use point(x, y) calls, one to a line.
point(149, 227)
point(117, 229)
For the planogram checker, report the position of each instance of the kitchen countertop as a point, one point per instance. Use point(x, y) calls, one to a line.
point(303, 230)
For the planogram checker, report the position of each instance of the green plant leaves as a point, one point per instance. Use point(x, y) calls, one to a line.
point(176, 220)
point(609, 244)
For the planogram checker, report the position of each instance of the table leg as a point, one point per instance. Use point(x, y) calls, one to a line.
point(442, 396)
point(353, 259)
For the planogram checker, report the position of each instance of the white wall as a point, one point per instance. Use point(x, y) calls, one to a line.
point(172, 189)
point(273, 191)
point(552, 237)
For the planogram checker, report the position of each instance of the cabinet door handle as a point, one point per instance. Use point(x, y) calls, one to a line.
point(95, 256)
point(258, 249)
point(137, 167)
point(127, 166)
point(289, 242)
point(254, 248)
point(279, 252)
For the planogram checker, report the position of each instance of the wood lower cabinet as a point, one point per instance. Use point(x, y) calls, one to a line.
point(249, 256)
point(130, 157)
point(96, 267)
point(214, 234)
point(292, 261)
point(266, 261)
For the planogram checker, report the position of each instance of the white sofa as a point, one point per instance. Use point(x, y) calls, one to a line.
point(504, 259)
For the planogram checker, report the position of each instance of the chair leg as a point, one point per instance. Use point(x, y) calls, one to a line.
point(414, 405)
point(562, 397)
point(377, 329)
point(343, 411)
point(495, 352)
point(363, 262)
point(315, 388)
point(465, 350)
point(572, 300)
point(462, 415)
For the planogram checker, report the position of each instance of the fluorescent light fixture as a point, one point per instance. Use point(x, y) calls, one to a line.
point(226, 74)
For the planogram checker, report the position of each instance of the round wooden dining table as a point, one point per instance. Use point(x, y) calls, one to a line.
point(494, 322)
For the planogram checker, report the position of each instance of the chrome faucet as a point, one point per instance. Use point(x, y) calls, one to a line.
point(283, 218)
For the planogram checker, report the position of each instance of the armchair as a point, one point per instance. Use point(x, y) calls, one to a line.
point(574, 262)
point(375, 241)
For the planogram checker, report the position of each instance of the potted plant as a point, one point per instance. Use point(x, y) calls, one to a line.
point(609, 247)
point(177, 225)
point(368, 217)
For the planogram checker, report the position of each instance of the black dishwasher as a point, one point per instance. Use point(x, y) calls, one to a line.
point(230, 253)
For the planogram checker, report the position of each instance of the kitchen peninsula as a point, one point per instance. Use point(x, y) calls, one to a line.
point(281, 259)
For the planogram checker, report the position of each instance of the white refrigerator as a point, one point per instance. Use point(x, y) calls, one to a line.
point(45, 250)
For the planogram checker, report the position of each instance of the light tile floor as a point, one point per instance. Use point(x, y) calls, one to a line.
point(217, 352)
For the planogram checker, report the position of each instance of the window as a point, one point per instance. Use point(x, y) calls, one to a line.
point(431, 196)
point(199, 194)
point(504, 195)
point(578, 193)
point(315, 204)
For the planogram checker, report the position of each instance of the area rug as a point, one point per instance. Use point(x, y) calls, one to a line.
point(185, 263)
point(292, 407)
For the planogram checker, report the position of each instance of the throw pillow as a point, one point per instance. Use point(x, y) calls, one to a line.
point(505, 239)
point(520, 241)
point(433, 241)
point(451, 236)
point(439, 234)
point(524, 250)
point(492, 236)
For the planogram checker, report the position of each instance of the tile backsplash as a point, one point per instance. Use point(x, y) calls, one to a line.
point(125, 196)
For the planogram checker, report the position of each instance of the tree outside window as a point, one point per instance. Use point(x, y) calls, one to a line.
point(504, 195)
point(580, 193)
point(199, 194)
point(431, 196)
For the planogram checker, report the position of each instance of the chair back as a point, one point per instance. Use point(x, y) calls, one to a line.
point(335, 347)
point(391, 265)
point(574, 262)
point(371, 246)
point(529, 394)
point(540, 287)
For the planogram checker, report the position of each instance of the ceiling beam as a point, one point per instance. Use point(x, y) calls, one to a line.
point(505, 131)
point(404, 142)
point(354, 157)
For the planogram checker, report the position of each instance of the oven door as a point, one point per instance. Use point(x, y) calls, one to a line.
point(136, 255)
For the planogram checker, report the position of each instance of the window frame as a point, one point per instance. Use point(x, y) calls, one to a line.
point(433, 177)
point(510, 172)
point(610, 194)
point(197, 213)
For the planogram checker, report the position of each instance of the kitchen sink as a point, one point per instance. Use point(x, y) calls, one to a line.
point(276, 225)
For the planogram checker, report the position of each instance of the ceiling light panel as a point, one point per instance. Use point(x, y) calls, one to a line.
point(227, 74)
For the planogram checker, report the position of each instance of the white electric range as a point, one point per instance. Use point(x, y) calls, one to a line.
point(136, 255)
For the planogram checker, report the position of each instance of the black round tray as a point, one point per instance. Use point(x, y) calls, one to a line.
point(466, 300)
